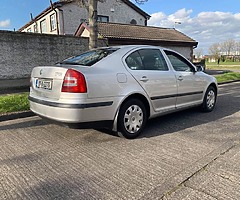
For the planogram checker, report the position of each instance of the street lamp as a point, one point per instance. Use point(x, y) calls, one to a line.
point(176, 23)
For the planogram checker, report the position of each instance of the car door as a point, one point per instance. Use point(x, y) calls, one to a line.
point(150, 70)
point(190, 83)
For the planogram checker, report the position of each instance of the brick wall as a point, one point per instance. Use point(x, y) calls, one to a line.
point(20, 52)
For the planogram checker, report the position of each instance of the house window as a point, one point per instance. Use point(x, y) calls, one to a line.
point(102, 18)
point(43, 26)
point(35, 28)
point(53, 22)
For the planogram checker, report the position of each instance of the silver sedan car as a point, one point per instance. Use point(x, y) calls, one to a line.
point(120, 87)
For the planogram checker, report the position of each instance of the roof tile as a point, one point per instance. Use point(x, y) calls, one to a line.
point(126, 31)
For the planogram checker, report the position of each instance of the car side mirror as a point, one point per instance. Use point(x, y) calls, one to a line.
point(200, 68)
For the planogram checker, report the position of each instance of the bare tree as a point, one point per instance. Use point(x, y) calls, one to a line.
point(91, 6)
point(228, 46)
point(238, 48)
point(198, 52)
point(215, 50)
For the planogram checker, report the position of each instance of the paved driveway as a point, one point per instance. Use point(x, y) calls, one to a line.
point(186, 155)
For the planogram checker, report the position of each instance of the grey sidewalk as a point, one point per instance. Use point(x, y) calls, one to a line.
point(186, 156)
point(219, 180)
point(180, 161)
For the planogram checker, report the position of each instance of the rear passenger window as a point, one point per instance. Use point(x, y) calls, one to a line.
point(147, 59)
point(134, 61)
point(153, 59)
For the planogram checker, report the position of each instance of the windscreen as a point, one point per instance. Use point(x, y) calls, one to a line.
point(89, 58)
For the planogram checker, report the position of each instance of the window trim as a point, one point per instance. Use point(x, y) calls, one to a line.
point(35, 28)
point(100, 17)
point(160, 55)
point(53, 26)
point(41, 27)
point(181, 58)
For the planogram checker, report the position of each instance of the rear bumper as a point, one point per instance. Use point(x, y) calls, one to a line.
point(73, 113)
point(81, 125)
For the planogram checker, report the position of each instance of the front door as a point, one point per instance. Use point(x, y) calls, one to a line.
point(190, 84)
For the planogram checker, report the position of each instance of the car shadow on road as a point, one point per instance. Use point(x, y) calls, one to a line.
point(228, 103)
point(24, 124)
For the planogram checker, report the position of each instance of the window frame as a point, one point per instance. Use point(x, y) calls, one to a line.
point(53, 22)
point(41, 26)
point(182, 59)
point(35, 30)
point(100, 17)
point(142, 66)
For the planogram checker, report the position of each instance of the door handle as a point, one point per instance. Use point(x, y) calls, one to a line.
point(180, 78)
point(144, 79)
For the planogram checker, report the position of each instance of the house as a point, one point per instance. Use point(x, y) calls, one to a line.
point(124, 34)
point(120, 22)
point(64, 16)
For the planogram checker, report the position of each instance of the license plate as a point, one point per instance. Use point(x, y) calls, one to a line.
point(44, 84)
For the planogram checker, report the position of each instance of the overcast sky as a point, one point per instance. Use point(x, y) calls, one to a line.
point(206, 21)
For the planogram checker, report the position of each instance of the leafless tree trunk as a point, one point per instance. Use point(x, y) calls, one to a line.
point(91, 5)
point(92, 11)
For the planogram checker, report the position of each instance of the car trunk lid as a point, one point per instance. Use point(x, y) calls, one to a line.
point(47, 81)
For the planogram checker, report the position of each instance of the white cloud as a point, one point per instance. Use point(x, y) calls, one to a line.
point(157, 18)
point(206, 27)
point(182, 15)
point(5, 23)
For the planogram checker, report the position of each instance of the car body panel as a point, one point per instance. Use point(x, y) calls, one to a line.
point(110, 82)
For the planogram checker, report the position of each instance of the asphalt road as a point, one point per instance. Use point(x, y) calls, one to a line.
point(186, 155)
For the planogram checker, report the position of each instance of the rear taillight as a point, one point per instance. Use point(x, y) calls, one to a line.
point(74, 82)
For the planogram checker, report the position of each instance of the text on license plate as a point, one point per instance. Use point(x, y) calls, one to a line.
point(44, 84)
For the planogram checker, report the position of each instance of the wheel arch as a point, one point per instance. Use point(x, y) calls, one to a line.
point(132, 96)
point(140, 97)
point(214, 86)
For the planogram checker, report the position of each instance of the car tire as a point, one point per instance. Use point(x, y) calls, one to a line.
point(209, 100)
point(131, 119)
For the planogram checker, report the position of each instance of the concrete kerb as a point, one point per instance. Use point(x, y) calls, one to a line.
point(16, 115)
point(228, 82)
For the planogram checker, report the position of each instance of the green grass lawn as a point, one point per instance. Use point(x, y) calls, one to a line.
point(224, 63)
point(14, 102)
point(223, 66)
point(226, 77)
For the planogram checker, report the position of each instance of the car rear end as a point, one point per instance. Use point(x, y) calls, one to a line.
point(60, 93)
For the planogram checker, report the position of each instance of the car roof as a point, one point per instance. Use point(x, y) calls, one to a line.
point(126, 48)
point(134, 46)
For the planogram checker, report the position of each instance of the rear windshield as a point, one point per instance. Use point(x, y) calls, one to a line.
point(89, 58)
